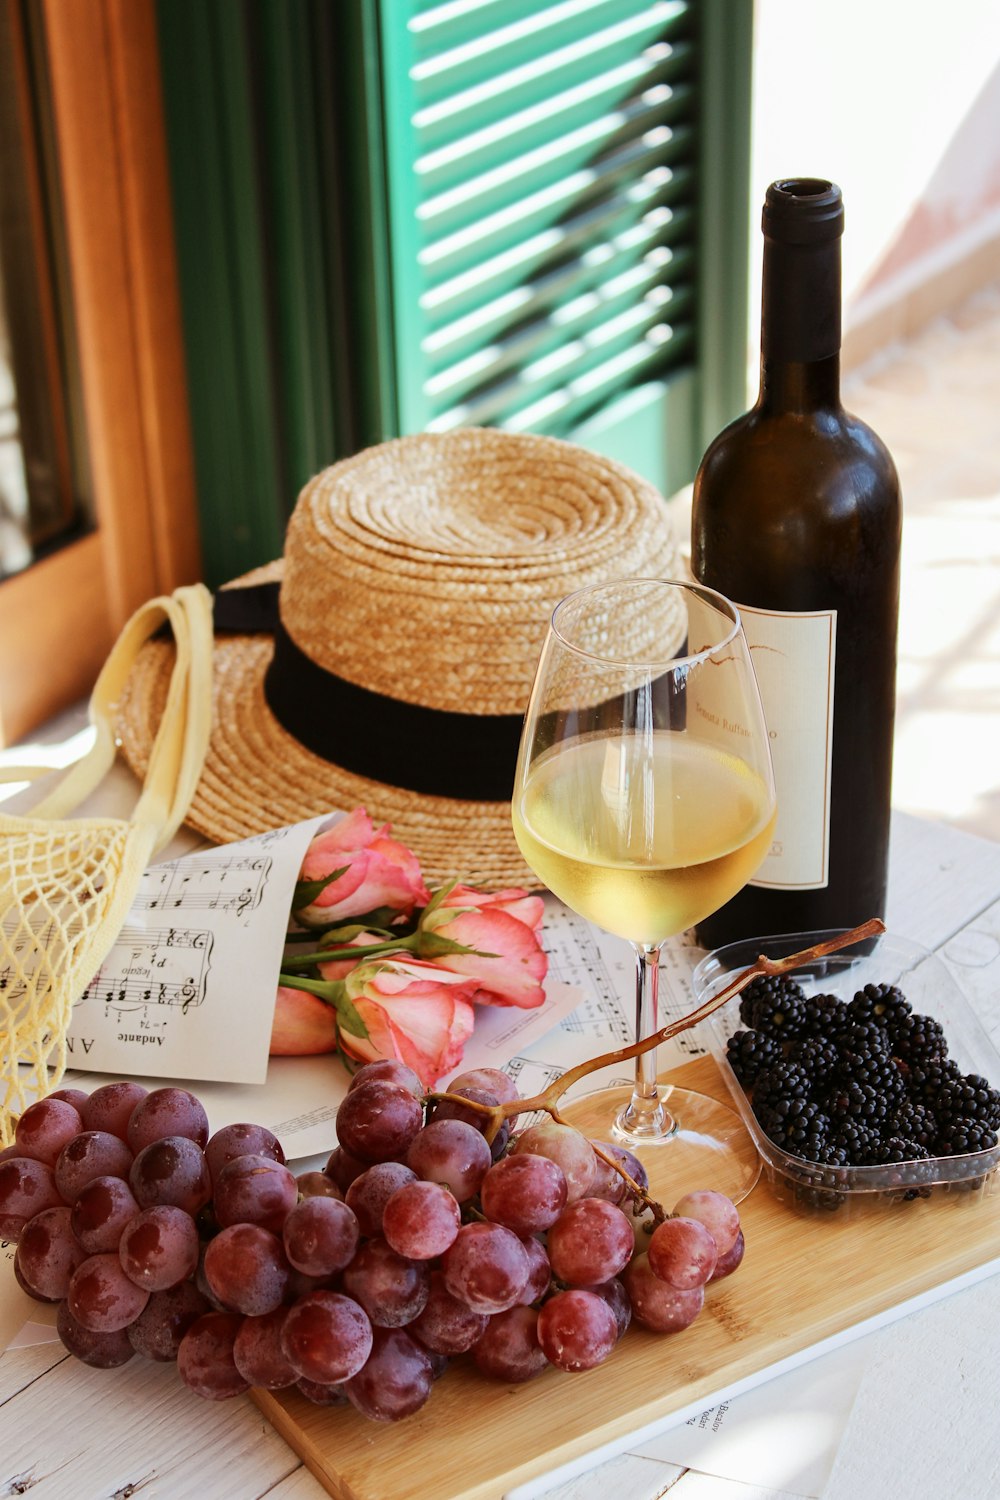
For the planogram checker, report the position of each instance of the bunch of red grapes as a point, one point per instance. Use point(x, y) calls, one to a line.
point(419, 1242)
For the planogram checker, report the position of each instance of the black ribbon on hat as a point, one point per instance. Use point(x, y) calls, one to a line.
point(427, 750)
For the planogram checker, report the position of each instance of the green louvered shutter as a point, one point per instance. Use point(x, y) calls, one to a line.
point(545, 192)
point(395, 215)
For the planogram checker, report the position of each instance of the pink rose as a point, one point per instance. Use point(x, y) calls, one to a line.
point(303, 1025)
point(377, 872)
point(502, 925)
point(414, 1011)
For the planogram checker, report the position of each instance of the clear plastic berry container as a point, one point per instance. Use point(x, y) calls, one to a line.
point(811, 1188)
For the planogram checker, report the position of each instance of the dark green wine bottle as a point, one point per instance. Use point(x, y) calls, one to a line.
point(797, 519)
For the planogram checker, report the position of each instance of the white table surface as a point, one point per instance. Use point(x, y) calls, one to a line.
point(924, 1425)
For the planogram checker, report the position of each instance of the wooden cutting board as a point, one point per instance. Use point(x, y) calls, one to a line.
point(802, 1281)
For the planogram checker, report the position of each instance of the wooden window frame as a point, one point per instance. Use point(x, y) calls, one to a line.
point(59, 617)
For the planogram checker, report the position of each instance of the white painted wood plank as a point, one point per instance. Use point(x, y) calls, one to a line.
point(20, 1367)
point(83, 1434)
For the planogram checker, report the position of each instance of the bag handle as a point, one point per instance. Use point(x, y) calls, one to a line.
point(181, 743)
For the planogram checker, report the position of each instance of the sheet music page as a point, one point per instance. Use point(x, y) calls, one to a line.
point(188, 989)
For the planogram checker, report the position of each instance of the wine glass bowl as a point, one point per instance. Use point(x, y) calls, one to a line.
point(644, 799)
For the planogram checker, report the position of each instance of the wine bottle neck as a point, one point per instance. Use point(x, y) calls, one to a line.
point(800, 324)
point(799, 385)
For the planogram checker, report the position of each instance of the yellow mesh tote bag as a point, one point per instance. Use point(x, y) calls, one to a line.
point(66, 884)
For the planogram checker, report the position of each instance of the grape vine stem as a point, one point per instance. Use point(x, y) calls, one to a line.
point(547, 1100)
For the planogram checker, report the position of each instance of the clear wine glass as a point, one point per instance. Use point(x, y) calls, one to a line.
point(644, 800)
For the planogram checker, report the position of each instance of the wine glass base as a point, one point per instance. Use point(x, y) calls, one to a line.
point(708, 1146)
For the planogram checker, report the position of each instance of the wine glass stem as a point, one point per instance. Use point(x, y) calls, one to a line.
point(646, 1115)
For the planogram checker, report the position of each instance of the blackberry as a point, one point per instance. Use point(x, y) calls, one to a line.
point(774, 1004)
point(779, 1085)
point(863, 1037)
point(882, 1003)
point(832, 1154)
point(959, 1136)
point(748, 1052)
point(917, 1038)
point(897, 1148)
point(915, 1122)
point(825, 1015)
point(857, 1140)
point(876, 1069)
point(926, 1078)
point(797, 1126)
point(816, 1057)
point(969, 1098)
point(860, 1103)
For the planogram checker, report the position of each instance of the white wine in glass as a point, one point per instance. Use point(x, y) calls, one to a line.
point(644, 800)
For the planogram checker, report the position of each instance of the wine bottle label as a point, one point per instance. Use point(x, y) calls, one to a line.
point(793, 657)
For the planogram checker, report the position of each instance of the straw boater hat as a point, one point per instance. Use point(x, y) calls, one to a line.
point(393, 668)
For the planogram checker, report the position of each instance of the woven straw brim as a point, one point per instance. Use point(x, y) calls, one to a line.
point(257, 776)
point(425, 569)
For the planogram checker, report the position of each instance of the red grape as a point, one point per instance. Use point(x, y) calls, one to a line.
point(378, 1120)
point(577, 1329)
point(524, 1193)
point(567, 1148)
point(111, 1107)
point(590, 1241)
point(102, 1297)
point(259, 1356)
point(607, 1184)
point(491, 1080)
point(446, 1325)
point(321, 1394)
point(615, 1295)
point(171, 1171)
point(448, 1109)
point(487, 1267)
point(716, 1212)
point(92, 1154)
point(317, 1185)
point(395, 1380)
point(369, 1193)
point(241, 1140)
point(391, 1288)
point(205, 1357)
point(48, 1253)
point(682, 1253)
point(344, 1168)
point(246, 1269)
point(101, 1213)
point(255, 1190)
point(539, 1271)
point(509, 1349)
point(104, 1351)
point(45, 1128)
point(76, 1097)
point(326, 1337)
point(388, 1070)
point(728, 1263)
point(320, 1236)
point(159, 1248)
point(657, 1305)
point(26, 1188)
point(421, 1220)
point(157, 1331)
point(453, 1154)
point(166, 1112)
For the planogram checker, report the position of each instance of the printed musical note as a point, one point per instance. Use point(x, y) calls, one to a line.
point(154, 967)
point(208, 883)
